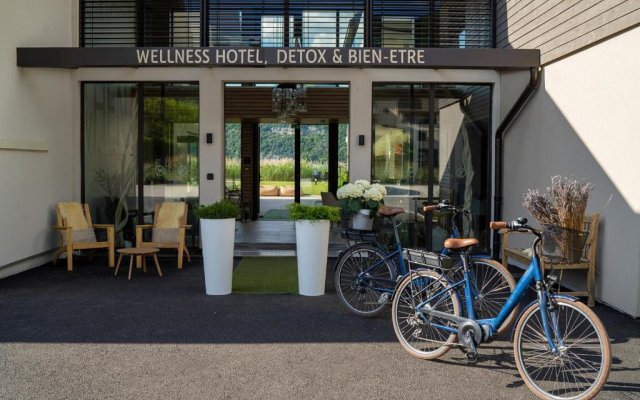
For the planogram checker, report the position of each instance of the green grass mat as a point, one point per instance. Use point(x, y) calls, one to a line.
point(270, 275)
point(276, 214)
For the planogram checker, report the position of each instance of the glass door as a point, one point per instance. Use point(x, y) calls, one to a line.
point(314, 162)
point(277, 184)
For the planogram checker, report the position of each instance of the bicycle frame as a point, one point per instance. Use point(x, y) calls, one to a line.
point(401, 267)
point(532, 277)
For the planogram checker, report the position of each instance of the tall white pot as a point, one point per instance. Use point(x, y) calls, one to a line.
point(217, 254)
point(312, 246)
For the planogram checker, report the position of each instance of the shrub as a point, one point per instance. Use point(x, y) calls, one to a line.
point(219, 210)
point(313, 213)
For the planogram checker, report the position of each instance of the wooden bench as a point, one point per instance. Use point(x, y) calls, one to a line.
point(522, 255)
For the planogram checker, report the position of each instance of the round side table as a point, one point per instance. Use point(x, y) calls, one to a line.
point(134, 252)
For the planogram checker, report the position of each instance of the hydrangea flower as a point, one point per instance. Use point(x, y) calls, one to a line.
point(362, 195)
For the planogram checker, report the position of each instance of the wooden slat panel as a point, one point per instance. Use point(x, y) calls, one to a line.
point(255, 102)
point(562, 27)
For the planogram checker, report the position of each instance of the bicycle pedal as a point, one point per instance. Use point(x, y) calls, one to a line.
point(472, 357)
point(384, 298)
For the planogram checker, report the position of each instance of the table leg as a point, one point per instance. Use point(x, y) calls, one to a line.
point(155, 258)
point(131, 265)
point(144, 264)
point(118, 266)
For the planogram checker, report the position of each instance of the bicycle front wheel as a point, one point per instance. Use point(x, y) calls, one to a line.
point(493, 285)
point(424, 337)
point(579, 368)
point(364, 278)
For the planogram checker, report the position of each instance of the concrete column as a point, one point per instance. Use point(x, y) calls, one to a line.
point(211, 121)
point(360, 104)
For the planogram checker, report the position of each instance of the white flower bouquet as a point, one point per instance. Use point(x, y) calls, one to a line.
point(362, 195)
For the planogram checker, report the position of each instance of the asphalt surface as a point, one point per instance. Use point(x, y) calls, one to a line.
point(89, 335)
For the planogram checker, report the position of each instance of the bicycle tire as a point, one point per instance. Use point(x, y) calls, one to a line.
point(495, 284)
point(358, 296)
point(584, 351)
point(416, 335)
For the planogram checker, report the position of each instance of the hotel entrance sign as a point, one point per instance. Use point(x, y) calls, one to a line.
point(66, 57)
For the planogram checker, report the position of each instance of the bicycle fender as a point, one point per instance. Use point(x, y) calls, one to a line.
point(523, 309)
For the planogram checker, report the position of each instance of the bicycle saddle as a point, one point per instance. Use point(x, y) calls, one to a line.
point(389, 211)
point(454, 244)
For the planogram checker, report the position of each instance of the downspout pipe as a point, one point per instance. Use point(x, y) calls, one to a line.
point(501, 132)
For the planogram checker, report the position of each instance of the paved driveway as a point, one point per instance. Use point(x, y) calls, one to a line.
point(88, 335)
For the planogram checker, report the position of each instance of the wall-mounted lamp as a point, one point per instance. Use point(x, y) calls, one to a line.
point(209, 138)
point(360, 140)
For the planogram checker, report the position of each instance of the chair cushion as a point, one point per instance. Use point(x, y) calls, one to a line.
point(164, 235)
point(287, 191)
point(169, 215)
point(83, 235)
point(73, 215)
point(80, 236)
point(269, 190)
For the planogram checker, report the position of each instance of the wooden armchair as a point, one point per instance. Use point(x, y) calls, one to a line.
point(77, 232)
point(589, 257)
point(168, 230)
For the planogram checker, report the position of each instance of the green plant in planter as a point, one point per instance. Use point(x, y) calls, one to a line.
point(313, 213)
point(222, 209)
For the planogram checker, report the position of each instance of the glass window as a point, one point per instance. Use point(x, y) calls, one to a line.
point(398, 32)
point(185, 29)
point(444, 157)
point(171, 140)
point(110, 128)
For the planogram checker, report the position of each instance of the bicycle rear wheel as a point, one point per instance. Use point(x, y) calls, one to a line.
point(363, 276)
point(581, 366)
point(417, 335)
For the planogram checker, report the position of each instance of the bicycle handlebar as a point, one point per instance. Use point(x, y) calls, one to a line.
point(445, 206)
point(519, 225)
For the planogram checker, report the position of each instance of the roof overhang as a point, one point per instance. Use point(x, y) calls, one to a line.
point(265, 57)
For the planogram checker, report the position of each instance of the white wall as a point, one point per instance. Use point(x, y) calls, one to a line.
point(37, 106)
point(584, 122)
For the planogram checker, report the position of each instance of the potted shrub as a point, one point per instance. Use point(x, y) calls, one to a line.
point(362, 199)
point(217, 230)
point(312, 245)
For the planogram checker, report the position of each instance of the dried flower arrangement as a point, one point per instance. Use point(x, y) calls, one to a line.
point(563, 205)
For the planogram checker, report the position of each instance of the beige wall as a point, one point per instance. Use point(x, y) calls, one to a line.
point(583, 121)
point(37, 107)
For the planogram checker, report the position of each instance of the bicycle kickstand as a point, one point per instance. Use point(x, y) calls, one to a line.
point(470, 350)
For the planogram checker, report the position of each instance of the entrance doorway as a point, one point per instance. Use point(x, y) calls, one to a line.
point(273, 161)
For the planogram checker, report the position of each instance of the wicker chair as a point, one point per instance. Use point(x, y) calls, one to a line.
point(168, 230)
point(77, 232)
point(589, 260)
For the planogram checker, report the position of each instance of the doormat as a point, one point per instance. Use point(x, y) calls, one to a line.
point(276, 214)
point(266, 275)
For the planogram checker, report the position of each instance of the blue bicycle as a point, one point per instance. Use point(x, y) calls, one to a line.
point(561, 347)
point(366, 275)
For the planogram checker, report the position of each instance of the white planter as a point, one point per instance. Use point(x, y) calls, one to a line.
point(362, 220)
point(312, 246)
point(217, 254)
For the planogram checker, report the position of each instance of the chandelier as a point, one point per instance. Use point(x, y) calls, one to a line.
point(286, 100)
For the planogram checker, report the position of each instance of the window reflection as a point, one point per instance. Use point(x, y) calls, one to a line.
point(457, 160)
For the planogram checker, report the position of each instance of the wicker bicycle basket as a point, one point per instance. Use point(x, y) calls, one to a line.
point(428, 259)
point(562, 245)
